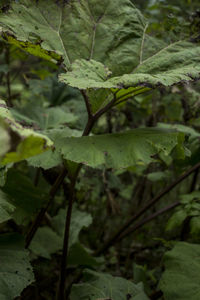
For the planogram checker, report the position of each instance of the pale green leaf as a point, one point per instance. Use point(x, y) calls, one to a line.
point(176, 63)
point(119, 150)
point(87, 74)
point(45, 160)
point(181, 279)
point(103, 286)
point(25, 142)
point(15, 270)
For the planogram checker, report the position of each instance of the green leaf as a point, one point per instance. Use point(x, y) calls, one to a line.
point(181, 280)
point(6, 208)
point(25, 142)
point(119, 150)
point(22, 193)
point(174, 64)
point(176, 220)
point(78, 222)
point(195, 226)
point(45, 118)
point(46, 160)
point(79, 29)
point(15, 270)
point(79, 255)
point(87, 74)
point(104, 286)
point(181, 128)
point(48, 241)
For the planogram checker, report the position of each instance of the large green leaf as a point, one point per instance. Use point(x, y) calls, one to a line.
point(119, 150)
point(24, 141)
point(176, 63)
point(98, 286)
point(181, 280)
point(15, 270)
point(109, 31)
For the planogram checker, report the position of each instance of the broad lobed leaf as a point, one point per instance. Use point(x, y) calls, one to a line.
point(108, 31)
point(176, 63)
point(119, 150)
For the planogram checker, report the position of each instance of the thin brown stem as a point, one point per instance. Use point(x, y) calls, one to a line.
point(61, 289)
point(91, 121)
point(115, 237)
point(147, 219)
point(42, 212)
point(87, 103)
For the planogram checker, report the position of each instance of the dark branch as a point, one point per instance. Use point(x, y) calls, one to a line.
point(115, 237)
point(148, 219)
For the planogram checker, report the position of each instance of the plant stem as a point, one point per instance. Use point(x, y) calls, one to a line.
point(42, 212)
point(115, 237)
point(91, 121)
point(87, 103)
point(61, 288)
point(147, 219)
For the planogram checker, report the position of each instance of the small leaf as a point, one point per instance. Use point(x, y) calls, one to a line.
point(176, 219)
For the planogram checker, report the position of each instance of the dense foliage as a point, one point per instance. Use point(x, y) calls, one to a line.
point(99, 156)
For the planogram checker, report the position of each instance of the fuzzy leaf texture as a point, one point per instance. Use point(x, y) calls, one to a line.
point(107, 31)
point(119, 150)
point(174, 64)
